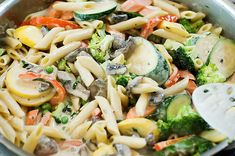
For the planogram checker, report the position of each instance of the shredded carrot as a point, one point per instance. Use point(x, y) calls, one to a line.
point(191, 86)
point(132, 112)
point(69, 143)
point(173, 78)
point(46, 118)
point(96, 112)
point(186, 73)
point(65, 15)
point(161, 145)
point(31, 118)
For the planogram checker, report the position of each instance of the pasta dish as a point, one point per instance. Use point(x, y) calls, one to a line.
point(111, 78)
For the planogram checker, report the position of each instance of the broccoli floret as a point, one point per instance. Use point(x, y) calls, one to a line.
point(181, 126)
point(190, 146)
point(100, 45)
point(57, 114)
point(186, 122)
point(122, 80)
point(191, 27)
point(165, 130)
point(209, 74)
point(189, 124)
point(182, 59)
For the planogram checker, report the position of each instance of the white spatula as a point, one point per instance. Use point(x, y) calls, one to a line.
point(216, 104)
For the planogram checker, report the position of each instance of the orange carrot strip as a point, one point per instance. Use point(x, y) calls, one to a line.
point(31, 118)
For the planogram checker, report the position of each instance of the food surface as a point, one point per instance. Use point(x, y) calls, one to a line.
point(115, 78)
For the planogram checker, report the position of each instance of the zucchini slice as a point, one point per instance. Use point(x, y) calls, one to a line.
point(223, 56)
point(204, 47)
point(146, 60)
point(177, 104)
point(95, 11)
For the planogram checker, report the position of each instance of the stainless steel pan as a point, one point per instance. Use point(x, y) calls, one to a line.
point(12, 12)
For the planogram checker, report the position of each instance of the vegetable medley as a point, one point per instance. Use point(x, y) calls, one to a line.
point(107, 78)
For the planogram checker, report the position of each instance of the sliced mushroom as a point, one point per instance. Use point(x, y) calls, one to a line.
point(118, 42)
point(65, 77)
point(71, 57)
point(73, 87)
point(132, 83)
point(117, 18)
point(98, 88)
point(77, 90)
point(115, 69)
point(123, 150)
point(156, 98)
point(126, 47)
point(43, 86)
point(83, 150)
point(46, 146)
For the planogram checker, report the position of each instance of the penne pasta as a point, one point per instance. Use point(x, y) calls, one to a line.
point(205, 28)
point(169, 35)
point(141, 104)
point(83, 34)
point(177, 88)
point(108, 115)
point(82, 116)
point(133, 142)
point(33, 139)
point(11, 104)
point(52, 132)
point(129, 24)
point(167, 7)
point(114, 99)
point(13, 43)
point(59, 53)
point(81, 130)
point(46, 41)
point(91, 65)
point(9, 132)
point(71, 6)
point(85, 74)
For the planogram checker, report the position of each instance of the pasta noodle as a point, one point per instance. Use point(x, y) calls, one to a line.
point(59, 53)
point(80, 131)
point(114, 98)
point(12, 105)
point(13, 43)
point(44, 44)
point(167, 7)
point(142, 104)
point(188, 14)
point(78, 36)
point(4, 60)
point(133, 142)
point(52, 132)
point(71, 6)
point(129, 24)
point(169, 35)
point(82, 116)
point(13, 54)
point(33, 139)
point(177, 88)
point(205, 28)
point(108, 115)
point(86, 76)
point(9, 132)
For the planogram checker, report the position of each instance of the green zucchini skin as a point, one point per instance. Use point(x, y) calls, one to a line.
point(162, 71)
point(223, 56)
point(95, 16)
